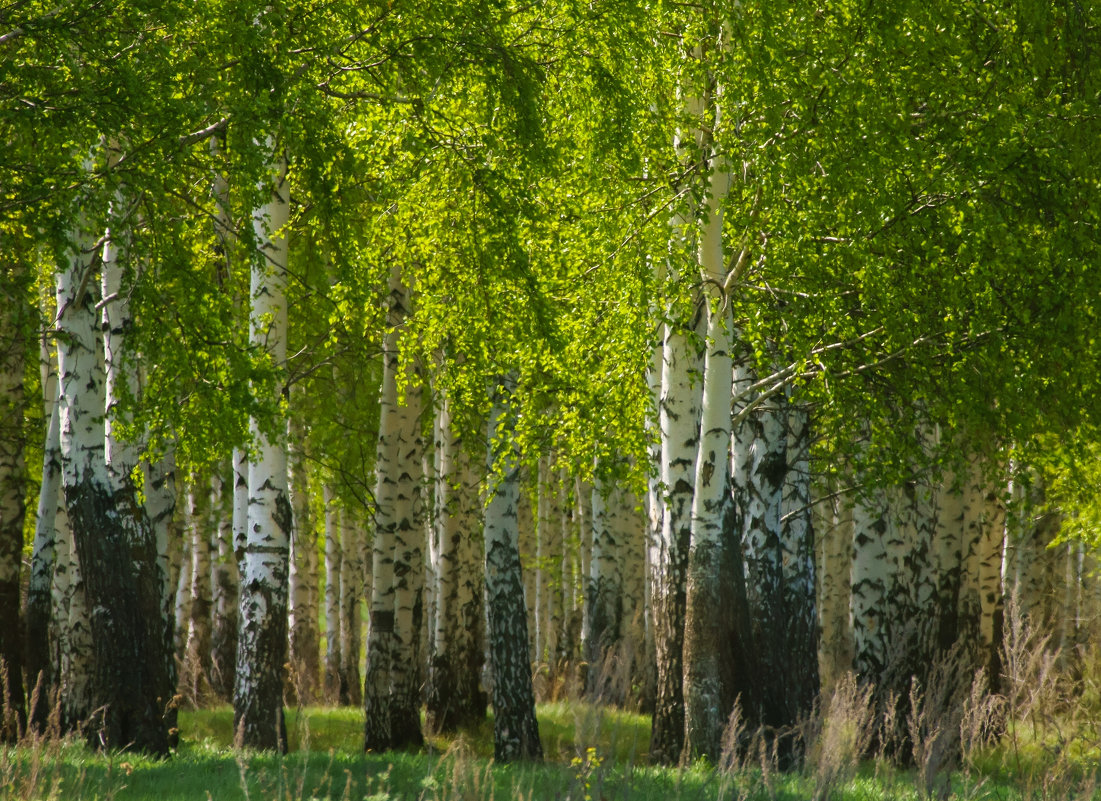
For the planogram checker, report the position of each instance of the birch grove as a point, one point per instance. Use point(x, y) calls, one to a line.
point(684, 359)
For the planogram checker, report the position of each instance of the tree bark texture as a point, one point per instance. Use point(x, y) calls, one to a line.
point(409, 546)
point(305, 645)
point(160, 508)
point(13, 482)
point(352, 589)
point(128, 689)
point(262, 638)
point(515, 728)
point(455, 698)
point(197, 651)
point(712, 514)
point(397, 521)
point(331, 684)
point(225, 594)
point(603, 624)
point(678, 417)
point(41, 674)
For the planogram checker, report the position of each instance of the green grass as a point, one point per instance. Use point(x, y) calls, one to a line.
point(592, 755)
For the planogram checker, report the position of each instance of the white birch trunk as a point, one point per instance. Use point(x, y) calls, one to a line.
point(679, 412)
point(182, 600)
point(605, 594)
point(81, 443)
point(834, 547)
point(409, 541)
point(971, 558)
point(74, 637)
point(261, 647)
point(455, 666)
point(396, 494)
point(705, 715)
point(331, 683)
point(13, 484)
point(41, 673)
point(197, 663)
point(527, 518)
point(225, 592)
point(515, 728)
point(303, 613)
point(991, 555)
point(549, 576)
point(583, 516)
point(655, 513)
point(352, 590)
point(872, 582)
point(160, 508)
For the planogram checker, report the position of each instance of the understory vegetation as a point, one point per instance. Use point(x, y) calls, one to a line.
point(1039, 738)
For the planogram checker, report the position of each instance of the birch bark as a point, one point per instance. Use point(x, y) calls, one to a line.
point(262, 639)
point(225, 593)
point(41, 674)
point(13, 484)
point(409, 543)
point(303, 614)
point(396, 494)
point(455, 698)
point(834, 549)
point(113, 542)
point(160, 508)
point(679, 412)
point(197, 651)
point(515, 729)
point(711, 509)
point(332, 599)
point(352, 590)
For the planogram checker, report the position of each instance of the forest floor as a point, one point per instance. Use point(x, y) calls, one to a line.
point(593, 754)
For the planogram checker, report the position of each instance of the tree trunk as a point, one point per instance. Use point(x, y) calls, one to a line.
point(305, 645)
point(13, 486)
point(455, 698)
point(548, 571)
point(112, 537)
point(767, 704)
point(833, 545)
point(332, 599)
point(182, 599)
point(633, 662)
point(605, 594)
point(1030, 574)
point(705, 716)
point(992, 606)
point(396, 499)
point(197, 661)
point(40, 673)
point(711, 505)
point(679, 414)
point(797, 558)
point(225, 591)
point(352, 590)
point(75, 661)
point(160, 507)
point(262, 639)
point(515, 728)
point(409, 541)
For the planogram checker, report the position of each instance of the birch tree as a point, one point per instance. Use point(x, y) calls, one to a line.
point(13, 346)
point(712, 510)
point(262, 640)
point(454, 696)
point(515, 728)
point(114, 546)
